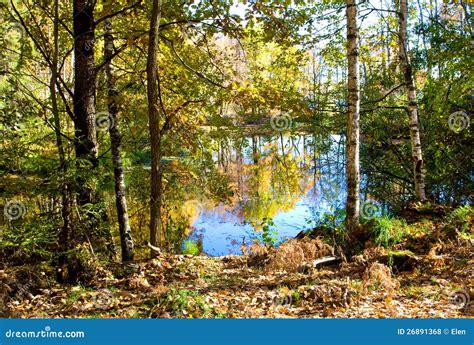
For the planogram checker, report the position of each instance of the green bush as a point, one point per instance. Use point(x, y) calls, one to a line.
point(460, 220)
point(30, 241)
point(269, 235)
point(190, 247)
point(388, 231)
point(82, 264)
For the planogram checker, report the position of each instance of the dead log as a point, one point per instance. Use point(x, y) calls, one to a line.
point(324, 261)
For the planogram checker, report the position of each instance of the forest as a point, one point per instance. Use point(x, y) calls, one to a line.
point(236, 159)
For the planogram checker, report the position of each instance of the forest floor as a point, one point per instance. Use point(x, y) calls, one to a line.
point(434, 280)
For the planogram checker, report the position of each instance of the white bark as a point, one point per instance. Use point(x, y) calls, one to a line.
point(126, 240)
point(353, 107)
point(405, 67)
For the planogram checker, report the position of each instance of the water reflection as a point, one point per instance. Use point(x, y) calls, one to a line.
point(293, 180)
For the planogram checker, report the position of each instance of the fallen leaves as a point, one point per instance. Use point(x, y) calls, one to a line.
point(198, 286)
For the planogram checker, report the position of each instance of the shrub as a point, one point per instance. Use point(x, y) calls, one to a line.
point(269, 235)
point(82, 264)
point(331, 227)
point(460, 220)
point(30, 241)
point(190, 247)
point(388, 231)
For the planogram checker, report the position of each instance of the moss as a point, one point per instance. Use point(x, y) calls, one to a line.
point(398, 258)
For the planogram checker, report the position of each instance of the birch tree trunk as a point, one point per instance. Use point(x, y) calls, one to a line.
point(126, 241)
point(353, 105)
point(154, 128)
point(405, 67)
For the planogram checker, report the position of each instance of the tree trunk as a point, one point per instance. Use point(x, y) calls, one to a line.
point(405, 67)
point(115, 143)
point(353, 104)
point(154, 128)
point(65, 202)
point(86, 145)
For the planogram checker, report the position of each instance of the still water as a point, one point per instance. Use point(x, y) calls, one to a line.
point(286, 183)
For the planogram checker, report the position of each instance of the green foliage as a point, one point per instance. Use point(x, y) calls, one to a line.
point(334, 219)
point(296, 296)
point(186, 303)
point(82, 264)
point(31, 240)
point(269, 234)
point(330, 226)
point(191, 247)
point(460, 220)
point(388, 231)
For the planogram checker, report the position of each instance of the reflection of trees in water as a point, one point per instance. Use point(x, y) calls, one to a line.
point(284, 178)
point(329, 191)
point(270, 174)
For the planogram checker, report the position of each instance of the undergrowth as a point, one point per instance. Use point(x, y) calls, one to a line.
point(387, 231)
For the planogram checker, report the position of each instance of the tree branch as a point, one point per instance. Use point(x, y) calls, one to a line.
point(172, 115)
point(384, 96)
point(123, 10)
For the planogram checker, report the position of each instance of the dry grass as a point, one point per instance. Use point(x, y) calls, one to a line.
point(379, 277)
point(256, 249)
point(291, 255)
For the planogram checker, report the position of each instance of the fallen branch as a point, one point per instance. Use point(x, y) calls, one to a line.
point(152, 247)
point(324, 261)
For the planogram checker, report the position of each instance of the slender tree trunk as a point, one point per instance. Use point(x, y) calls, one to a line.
point(353, 104)
point(65, 202)
point(57, 126)
point(86, 145)
point(115, 143)
point(389, 55)
point(154, 128)
point(418, 169)
point(254, 150)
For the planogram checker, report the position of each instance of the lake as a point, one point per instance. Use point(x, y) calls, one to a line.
point(284, 183)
